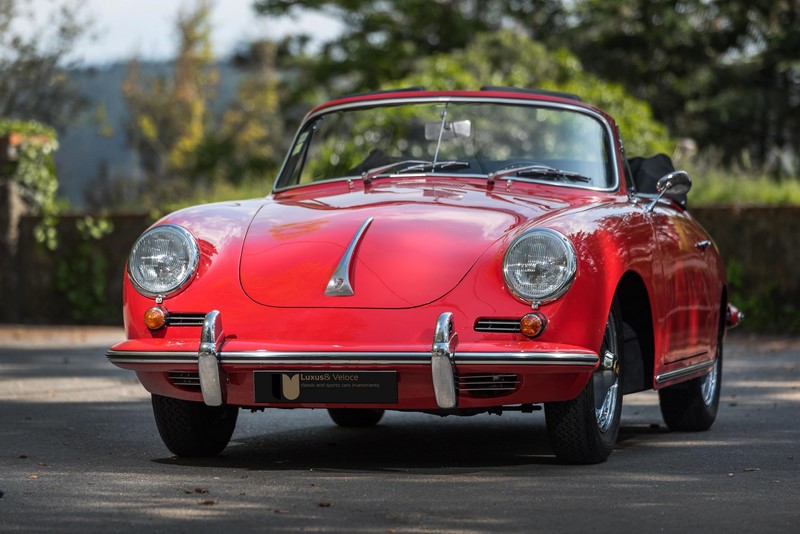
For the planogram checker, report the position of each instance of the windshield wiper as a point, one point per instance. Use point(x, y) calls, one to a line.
point(414, 165)
point(539, 171)
point(438, 166)
point(367, 176)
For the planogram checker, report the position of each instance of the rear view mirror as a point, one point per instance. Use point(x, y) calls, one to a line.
point(451, 130)
point(674, 184)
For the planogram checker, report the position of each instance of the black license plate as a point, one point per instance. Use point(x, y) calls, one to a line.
point(352, 387)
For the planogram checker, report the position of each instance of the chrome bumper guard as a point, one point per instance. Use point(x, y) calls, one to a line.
point(445, 340)
point(208, 364)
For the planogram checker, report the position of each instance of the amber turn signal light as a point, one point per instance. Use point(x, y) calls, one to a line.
point(533, 324)
point(155, 318)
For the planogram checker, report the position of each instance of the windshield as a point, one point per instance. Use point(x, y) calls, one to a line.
point(457, 138)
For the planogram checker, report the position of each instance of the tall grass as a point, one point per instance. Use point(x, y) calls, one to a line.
point(716, 185)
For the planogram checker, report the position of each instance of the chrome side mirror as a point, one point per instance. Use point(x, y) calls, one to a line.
point(672, 184)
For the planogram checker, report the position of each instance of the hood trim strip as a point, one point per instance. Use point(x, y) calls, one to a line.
point(340, 285)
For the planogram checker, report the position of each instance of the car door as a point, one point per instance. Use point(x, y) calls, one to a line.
point(686, 310)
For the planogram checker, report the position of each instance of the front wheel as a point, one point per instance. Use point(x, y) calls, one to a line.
point(693, 405)
point(584, 430)
point(355, 417)
point(192, 428)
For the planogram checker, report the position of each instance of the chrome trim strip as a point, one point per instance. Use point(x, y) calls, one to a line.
point(208, 365)
point(339, 284)
point(445, 341)
point(679, 373)
point(130, 356)
point(575, 359)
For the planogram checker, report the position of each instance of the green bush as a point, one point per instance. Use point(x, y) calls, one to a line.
point(34, 170)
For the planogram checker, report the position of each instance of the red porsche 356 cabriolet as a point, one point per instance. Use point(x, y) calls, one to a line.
point(447, 252)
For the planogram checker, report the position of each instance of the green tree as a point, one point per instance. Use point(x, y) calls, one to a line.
point(35, 49)
point(510, 58)
point(170, 113)
point(186, 146)
point(724, 71)
point(247, 142)
point(383, 38)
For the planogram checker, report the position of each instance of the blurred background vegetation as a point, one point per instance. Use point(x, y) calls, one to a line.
point(713, 83)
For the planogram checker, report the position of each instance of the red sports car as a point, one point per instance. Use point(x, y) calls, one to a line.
point(448, 252)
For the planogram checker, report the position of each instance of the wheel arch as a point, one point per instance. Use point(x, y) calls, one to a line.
point(638, 335)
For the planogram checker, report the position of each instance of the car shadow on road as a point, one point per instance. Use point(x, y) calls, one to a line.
point(400, 446)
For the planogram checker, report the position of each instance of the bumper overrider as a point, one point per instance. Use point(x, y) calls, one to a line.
point(443, 360)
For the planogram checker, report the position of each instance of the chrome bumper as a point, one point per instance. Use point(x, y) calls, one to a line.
point(442, 359)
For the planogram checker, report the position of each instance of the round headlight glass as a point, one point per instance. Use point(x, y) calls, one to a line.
point(163, 260)
point(540, 265)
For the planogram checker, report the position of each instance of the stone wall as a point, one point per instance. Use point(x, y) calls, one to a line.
point(58, 287)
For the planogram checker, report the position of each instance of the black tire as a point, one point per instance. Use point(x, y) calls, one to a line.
point(192, 428)
point(355, 417)
point(692, 406)
point(584, 430)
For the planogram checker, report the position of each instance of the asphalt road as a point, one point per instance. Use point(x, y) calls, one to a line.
point(79, 451)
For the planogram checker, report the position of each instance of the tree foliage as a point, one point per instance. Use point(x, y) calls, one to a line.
point(383, 38)
point(508, 58)
point(169, 114)
point(725, 72)
point(181, 140)
point(34, 59)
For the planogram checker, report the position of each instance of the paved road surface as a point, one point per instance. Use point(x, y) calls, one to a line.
point(79, 451)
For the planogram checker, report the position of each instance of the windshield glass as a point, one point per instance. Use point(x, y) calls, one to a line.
point(456, 138)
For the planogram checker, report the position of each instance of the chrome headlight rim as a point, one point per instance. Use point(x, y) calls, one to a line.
point(566, 282)
point(193, 250)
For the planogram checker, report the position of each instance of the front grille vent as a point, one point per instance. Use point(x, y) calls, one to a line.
point(489, 385)
point(186, 319)
point(183, 380)
point(490, 324)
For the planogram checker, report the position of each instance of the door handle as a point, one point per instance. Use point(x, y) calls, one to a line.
point(703, 245)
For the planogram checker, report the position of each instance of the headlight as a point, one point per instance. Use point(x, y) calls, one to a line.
point(163, 260)
point(540, 265)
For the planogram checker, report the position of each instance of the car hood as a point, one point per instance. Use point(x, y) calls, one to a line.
point(423, 239)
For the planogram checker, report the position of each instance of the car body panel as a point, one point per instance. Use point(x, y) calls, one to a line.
point(436, 245)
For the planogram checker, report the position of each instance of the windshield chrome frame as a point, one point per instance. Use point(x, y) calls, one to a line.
point(446, 99)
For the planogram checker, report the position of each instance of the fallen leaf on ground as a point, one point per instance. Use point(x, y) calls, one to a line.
point(207, 502)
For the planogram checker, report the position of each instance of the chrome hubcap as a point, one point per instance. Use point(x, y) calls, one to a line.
point(708, 385)
point(606, 379)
